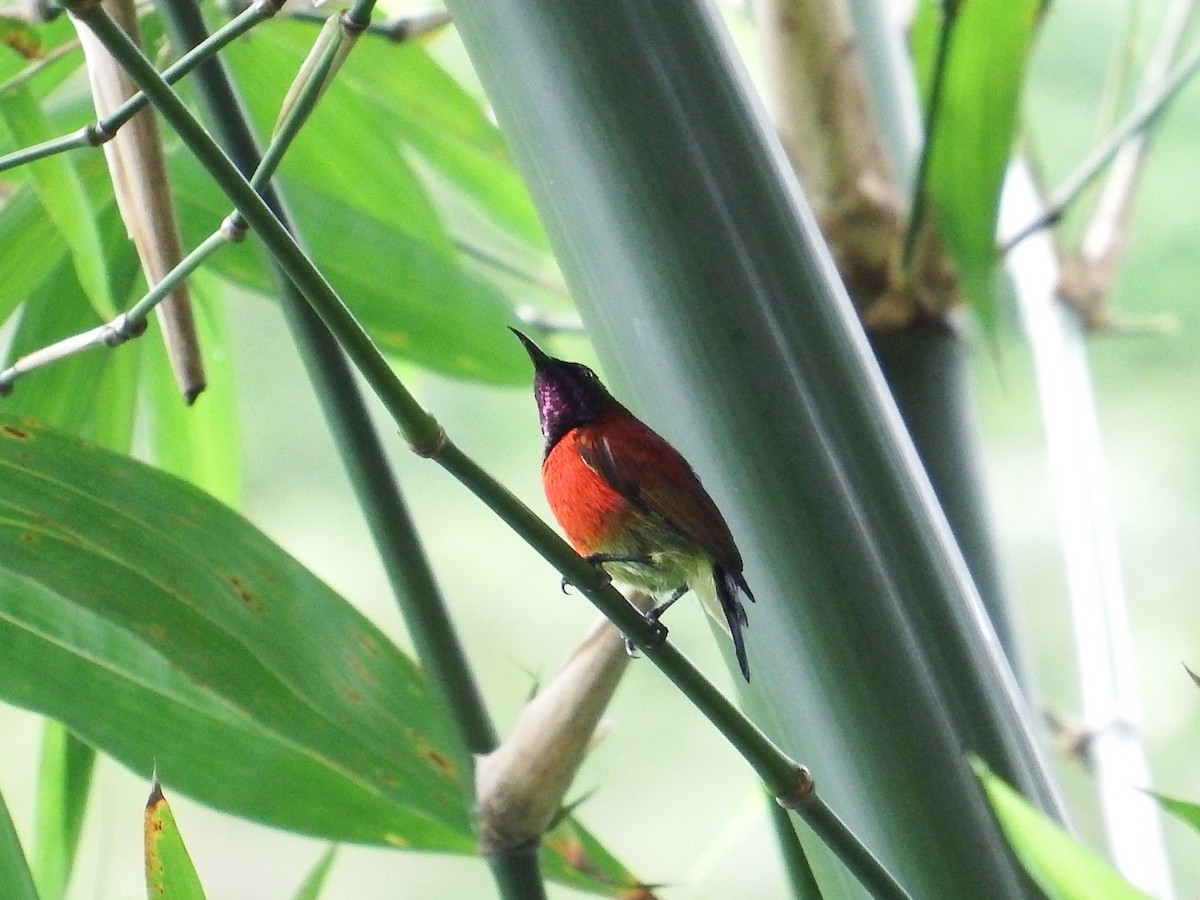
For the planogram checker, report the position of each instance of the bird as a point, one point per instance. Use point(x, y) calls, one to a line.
point(628, 501)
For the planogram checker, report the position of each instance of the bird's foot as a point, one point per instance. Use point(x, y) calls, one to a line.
point(657, 638)
point(655, 614)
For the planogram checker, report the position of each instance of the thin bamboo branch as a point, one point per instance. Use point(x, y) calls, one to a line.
point(801, 878)
point(1106, 235)
point(1144, 114)
point(131, 324)
point(99, 132)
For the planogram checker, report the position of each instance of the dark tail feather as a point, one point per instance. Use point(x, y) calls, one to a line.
point(728, 585)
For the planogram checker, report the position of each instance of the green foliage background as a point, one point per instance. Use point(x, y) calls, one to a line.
point(672, 800)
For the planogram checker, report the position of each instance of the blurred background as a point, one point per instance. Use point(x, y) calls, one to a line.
point(665, 792)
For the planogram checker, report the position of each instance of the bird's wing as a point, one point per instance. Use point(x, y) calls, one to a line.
point(648, 472)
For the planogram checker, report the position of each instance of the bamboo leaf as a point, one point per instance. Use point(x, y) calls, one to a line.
point(440, 121)
point(15, 876)
point(62, 193)
point(91, 394)
point(975, 127)
point(163, 628)
point(1061, 866)
point(20, 36)
point(64, 782)
point(169, 869)
point(127, 592)
point(315, 881)
point(31, 248)
point(1186, 812)
point(341, 179)
point(573, 856)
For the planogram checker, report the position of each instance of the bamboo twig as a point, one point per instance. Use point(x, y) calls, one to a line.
point(1106, 235)
point(99, 132)
point(132, 323)
point(1142, 117)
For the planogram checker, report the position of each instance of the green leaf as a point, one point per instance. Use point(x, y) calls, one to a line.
point(169, 869)
point(1062, 867)
point(160, 626)
point(34, 71)
point(341, 180)
point(199, 443)
point(31, 248)
point(91, 394)
point(417, 303)
point(440, 121)
point(64, 782)
point(975, 127)
point(1188, 813)
point(14, 870)
point(62, 193)
point(572, 855)
point(163, 628)
point(311, 889)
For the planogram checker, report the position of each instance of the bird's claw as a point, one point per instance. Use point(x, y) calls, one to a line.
point(657, 638)
point(605, 578)
point(630, 649)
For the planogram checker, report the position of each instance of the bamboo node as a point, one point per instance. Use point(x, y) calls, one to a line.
point(431, 448)
point(802, 791)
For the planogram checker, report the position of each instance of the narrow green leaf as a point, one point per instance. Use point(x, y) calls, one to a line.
point(64, 783)
point(340, 179)
point(313, 884)
point(91, 394)
point(391, 282)
point(975, 127)
point(31, 248)
point(200, 443)
point(33, 71)
point(15, 876)
point(573, 856)
point(437, 119)
point(1062, 867)
point(1186, 812)
point(159, 625)
point(170, 873)
point(62, 193)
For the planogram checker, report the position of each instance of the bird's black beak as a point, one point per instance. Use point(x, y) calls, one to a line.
point(541, 360)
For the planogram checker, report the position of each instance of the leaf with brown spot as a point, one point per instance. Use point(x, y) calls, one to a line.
point(20, 36)
point(169, 870)
point(131, 625)
point(13, 431)
point(144, 633)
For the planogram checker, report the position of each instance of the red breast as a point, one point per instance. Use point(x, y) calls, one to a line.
point(588, 509)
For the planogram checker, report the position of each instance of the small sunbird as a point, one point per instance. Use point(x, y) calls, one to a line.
point(627, 500)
